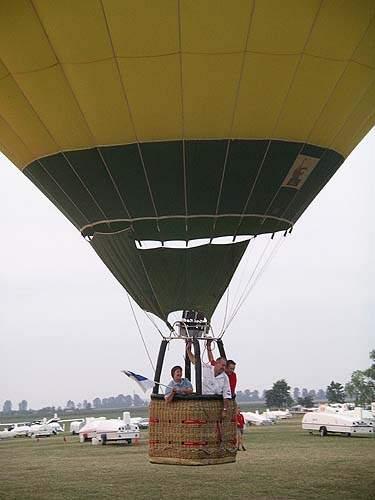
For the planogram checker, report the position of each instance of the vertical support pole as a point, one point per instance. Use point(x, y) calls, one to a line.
point(159, 365)
point(198, 367)
point(220, 345)
point(187, 367)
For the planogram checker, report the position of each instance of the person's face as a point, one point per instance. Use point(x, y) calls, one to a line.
point(220, 366)
point(177, 376)
point(230, 369)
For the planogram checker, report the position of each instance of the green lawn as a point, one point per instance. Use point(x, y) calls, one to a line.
point(281, 461)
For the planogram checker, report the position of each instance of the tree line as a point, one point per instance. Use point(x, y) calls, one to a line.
point(248, 396)
point(360, 389)
point(112, 402)
point(128, 401)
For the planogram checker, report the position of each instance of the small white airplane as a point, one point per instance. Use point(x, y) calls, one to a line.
point(41, 429)
point(256, 419)
point(142, 422)
point(16, 430)
point(6, 434)
point(37, 428)
point(277, 414)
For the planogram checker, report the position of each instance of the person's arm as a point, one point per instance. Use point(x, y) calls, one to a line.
point(187, 390)
point(169, 392)
point(170, 395)
point(189, 353)
point(227, 396)
point(209, 351)
point(225, 408)
point(234, 384)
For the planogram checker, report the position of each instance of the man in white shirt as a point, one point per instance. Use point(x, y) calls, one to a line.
point(214, 378)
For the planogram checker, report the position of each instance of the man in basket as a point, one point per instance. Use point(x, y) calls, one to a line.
point(214, 378)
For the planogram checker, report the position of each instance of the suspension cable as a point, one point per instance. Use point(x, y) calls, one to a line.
point(153, 322)
point(247, 266)
point(263, 268)
point(140, 333)
point(251, 284)
point(226, 310)
point(248, 284)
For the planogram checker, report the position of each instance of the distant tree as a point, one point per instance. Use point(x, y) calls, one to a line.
point(84, 404)
point(362, 384)
point(370, 372)
point(79, 406)
point(305, 392)
point(239, 396)
point(247, 394)
point(120, 401)
point(321, 395)
point(88, 406)
point(70, 405)
point(22, 405)
point(263, 395)
point(255, 395)
point(296, 393)
point(47, 410)
point(7, 406)
point(306, 402)
point(138, 401)
point(128, 401)
point(335, 393)
point(97, 403)
point(312, 394)
point(269, 398)
point(279, 396)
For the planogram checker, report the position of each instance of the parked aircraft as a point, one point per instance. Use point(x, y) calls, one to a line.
point(277, 414)
point(37, 428)
point(140, 421)
point(16, 430)
point(5, 434)
point(256, 419)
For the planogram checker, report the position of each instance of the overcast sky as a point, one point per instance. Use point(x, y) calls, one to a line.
point(67, 329)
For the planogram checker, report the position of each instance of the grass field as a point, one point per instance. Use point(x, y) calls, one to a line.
point(281, 461)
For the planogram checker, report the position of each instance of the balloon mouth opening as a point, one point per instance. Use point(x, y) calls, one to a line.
point(193, 243)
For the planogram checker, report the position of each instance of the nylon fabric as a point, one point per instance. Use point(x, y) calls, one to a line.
point(106, 189)
point(164, 280)
point(293, 70)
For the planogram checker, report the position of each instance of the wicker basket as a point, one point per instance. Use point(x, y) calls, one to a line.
point(191, 431)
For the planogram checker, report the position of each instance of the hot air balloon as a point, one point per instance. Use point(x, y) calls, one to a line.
point(181, 120)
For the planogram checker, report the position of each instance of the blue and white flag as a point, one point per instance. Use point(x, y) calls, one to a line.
point(144, 383)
